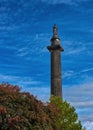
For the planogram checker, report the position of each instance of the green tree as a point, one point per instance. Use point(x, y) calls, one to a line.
point(67, 118)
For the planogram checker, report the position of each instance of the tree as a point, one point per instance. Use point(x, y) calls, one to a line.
point(67, 118)
point(21, 110)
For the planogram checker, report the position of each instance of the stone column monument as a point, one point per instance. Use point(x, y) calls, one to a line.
point(56, 75)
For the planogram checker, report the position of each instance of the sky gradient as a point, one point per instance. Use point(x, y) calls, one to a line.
point(25, 32)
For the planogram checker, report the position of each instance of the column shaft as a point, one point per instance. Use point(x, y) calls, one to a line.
point(56, 80)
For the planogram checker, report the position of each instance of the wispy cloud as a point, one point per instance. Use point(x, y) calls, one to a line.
point(71, 73)
point(87, 70)
point(18, 80)
point(74, 47)
point(33, 45)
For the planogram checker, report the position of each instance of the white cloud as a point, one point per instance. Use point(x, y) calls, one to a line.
point(88, 125)
point(81, 93)
point(42, 92)
point(86, 117)
point(81, 97)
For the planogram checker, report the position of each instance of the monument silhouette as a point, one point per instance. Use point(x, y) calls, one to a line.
point(56, 75)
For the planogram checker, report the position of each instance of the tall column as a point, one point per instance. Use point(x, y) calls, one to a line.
point(56, 76)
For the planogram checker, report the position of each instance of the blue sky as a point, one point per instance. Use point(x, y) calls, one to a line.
point(26, 30)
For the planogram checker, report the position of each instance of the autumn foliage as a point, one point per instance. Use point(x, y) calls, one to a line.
point(22, 111)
